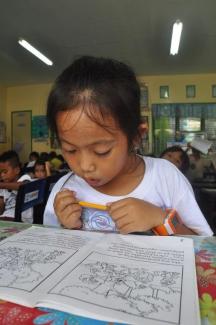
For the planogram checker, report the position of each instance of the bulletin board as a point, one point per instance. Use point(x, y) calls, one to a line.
point(40, 131)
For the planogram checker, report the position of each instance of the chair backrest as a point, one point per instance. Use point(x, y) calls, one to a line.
point(207, 203)
point(31, 195)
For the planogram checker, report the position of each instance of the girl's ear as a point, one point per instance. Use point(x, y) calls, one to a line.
point(143, 129)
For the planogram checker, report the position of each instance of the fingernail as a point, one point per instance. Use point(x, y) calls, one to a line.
point(63, 189)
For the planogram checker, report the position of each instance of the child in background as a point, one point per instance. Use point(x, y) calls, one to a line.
point(41, 169)
point(94, 109)
point(178, 157)
point(33, 156)
point(10, 182)
point(29, 166)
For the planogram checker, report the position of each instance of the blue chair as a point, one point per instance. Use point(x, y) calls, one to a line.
point(31, 195)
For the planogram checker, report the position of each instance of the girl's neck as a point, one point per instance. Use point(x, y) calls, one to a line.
point(128, 180)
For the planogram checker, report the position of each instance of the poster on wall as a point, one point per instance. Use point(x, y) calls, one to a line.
point(40, 131)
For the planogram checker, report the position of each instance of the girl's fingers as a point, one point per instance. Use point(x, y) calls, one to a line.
point(71, 217)
point(125, 230)
point(69, 210)
point(75, 217)
point(63, 199)
point(122, 222)
point(113, 207)
point(78, 224)
point(118, 213)
point(66, 193)
point(72, 225)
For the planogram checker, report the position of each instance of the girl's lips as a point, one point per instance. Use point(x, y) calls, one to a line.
point(92, 182)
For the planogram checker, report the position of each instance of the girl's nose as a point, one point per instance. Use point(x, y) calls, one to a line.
point(87, 164)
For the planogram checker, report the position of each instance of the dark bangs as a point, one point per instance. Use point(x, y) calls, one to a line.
point(102, 87)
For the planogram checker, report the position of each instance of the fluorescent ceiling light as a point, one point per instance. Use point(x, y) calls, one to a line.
point(34, 51)
point(176, 36)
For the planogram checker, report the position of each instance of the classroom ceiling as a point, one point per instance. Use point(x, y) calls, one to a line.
point(135, 31)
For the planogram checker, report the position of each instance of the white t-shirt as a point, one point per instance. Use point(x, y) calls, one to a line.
point(10, 200)
point(162, 185)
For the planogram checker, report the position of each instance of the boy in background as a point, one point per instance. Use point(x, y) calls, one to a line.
point(10, 182)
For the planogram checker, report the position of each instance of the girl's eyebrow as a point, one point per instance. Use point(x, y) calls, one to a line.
point(98, 142)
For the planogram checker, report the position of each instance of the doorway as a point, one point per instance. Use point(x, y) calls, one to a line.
point(21, 133)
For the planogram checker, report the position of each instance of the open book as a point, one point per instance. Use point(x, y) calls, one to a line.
point(118, 278)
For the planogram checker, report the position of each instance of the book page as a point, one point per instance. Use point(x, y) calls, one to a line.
point(29, 258)
point(127, 279)
point(133, 279)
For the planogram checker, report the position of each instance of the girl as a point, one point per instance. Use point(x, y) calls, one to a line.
point(94, 109)
point(178, 157)
point(41, 169)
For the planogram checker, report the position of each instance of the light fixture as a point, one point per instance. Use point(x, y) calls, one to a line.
point(176, 36)
point(34, 51)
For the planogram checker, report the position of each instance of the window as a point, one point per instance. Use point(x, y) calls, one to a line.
point(191, 124)
point(164, 91)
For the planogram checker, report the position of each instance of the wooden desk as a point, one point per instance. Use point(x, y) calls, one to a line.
point(205, 250)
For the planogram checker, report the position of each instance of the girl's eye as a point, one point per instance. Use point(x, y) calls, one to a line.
point(72, 151)
point(103, 153)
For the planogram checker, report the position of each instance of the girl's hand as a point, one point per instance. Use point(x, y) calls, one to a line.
point(67, 209)
point(135, 215)
point(48, 168)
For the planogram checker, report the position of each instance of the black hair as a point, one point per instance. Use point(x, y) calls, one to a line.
point(60, 157)
point(44, 156)
point(99, 85)
point(11, 157)
point(196, 152)
point(52, 155)
point(39, 162)
point(34, 154)
point(184, 157)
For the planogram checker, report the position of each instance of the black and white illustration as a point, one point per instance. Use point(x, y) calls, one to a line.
point(146, 290)
point(27, 267)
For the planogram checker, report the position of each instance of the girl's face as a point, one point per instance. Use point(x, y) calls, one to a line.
point(174, 157)
point(99, 157)
point(40, 171)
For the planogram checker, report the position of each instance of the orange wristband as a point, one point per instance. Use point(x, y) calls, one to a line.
point(169, 226)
